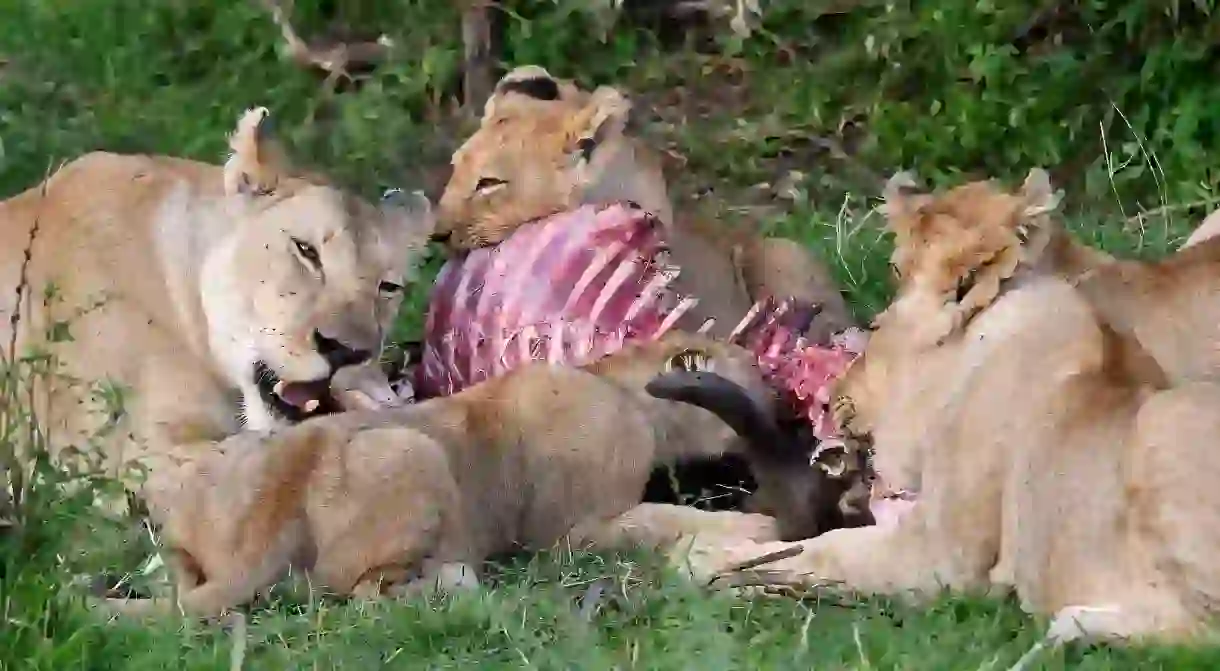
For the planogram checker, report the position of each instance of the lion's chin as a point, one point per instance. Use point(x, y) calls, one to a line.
point(889, 510)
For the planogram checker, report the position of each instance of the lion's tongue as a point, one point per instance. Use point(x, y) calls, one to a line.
point(300, 394)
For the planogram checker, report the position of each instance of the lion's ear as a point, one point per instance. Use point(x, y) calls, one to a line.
point(902, 197)
point(1039, 199)
point(1038, 194)
point(256, 162)
point(413, 209)
point(532, 81)
point(605, 115)
point(409, 215)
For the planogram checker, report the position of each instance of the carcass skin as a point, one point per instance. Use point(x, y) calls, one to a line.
point(576, 286)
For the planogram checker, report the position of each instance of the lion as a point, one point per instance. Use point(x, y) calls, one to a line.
point(546, 146)
point(1043, 465)
point(396, 500)
point(212, 299)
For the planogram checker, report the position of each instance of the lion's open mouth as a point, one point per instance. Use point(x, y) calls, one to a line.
point(293, 401)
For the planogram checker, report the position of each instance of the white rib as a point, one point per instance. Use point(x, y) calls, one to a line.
point(611, 287)
point(599, 264)
point(652, 292)
point(673, 317)
point(555, 346)
point(741, 325)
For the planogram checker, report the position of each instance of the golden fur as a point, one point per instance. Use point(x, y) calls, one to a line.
point(1165, 313)
point(375, 502)
point(174, 277)
point(1043, 465)
point(1168, 308)
point(1206, 230)
point(534, 156)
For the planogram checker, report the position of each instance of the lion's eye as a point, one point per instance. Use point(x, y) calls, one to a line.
point(308, 252)
point(389, 288)
point(487, 183)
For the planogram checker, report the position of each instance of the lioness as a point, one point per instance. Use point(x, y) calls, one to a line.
point(1043, 465)
point(374, 501)
point(226, 296)
point(545, 146)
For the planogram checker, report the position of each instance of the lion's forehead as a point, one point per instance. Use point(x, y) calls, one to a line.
point(353, 233)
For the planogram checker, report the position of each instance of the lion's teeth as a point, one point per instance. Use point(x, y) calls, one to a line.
point(279, 388)
point(311, 405)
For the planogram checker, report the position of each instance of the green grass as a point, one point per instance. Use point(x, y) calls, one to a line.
point(172, 76)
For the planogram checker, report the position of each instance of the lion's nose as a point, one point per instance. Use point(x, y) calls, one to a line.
point(337, 354)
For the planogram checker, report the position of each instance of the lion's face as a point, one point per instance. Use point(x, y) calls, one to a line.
point(510, 172)
point(542, 147)
point(954, 250)
point(307, 282)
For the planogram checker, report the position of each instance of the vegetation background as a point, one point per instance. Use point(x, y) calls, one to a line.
point(793, 128)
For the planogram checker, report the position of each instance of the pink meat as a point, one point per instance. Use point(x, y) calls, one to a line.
point(579, 285)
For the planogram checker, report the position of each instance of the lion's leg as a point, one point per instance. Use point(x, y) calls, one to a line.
point(1174, 508)
point(661, 525)
point(871, 560)
point(174, 407)
point(367, 550)
point(904, 557)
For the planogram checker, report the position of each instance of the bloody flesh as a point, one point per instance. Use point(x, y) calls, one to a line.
point(579, 285)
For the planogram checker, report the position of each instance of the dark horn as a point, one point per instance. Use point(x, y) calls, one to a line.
point(722, 397)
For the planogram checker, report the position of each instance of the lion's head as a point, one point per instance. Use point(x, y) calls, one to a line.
point(306, 281)
point(544, 146)
point(954, 252)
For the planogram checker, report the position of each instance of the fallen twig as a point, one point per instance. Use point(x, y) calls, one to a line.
point(786, 553)
point(337, 59)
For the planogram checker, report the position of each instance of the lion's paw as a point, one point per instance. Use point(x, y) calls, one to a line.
point(1086, 623)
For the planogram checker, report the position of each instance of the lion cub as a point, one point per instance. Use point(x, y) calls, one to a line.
point(376, 502)
point(545, 146)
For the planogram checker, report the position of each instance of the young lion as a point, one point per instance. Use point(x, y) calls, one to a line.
point(373, 502)
point(1044, 466)
point(546, 146)
point(228, 295)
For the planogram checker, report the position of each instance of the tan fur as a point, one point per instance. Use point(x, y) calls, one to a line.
point(196, 281)
point(540, 454)
point(1206, 230)
point(1043, 465)
point(1165, 313)
point(535, 146)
